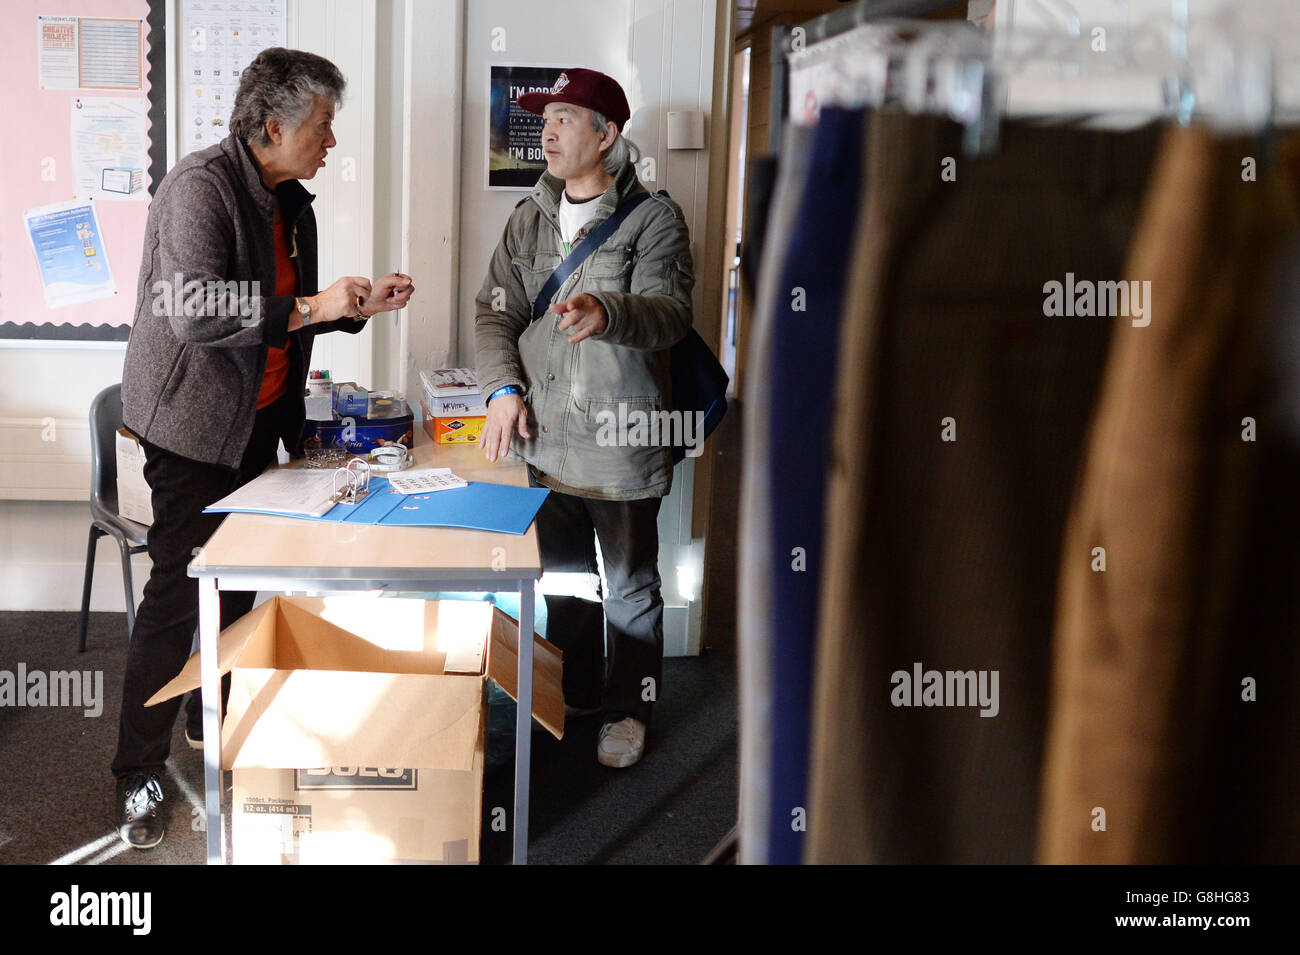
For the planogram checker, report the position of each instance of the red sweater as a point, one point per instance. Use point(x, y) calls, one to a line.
point(275, 379)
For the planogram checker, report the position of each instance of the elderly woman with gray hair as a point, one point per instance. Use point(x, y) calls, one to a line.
point(227, 309)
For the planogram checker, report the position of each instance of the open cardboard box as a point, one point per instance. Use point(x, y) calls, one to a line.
point(355, 728)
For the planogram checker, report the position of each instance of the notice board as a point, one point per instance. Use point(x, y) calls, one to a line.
point(84, 145)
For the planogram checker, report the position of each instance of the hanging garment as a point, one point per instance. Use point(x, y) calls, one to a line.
point(1184, 528)
point(805, 341)
point(961, 410)
point(1253, 778)
point(754, 557)
point(760, 182)
point(760, 185)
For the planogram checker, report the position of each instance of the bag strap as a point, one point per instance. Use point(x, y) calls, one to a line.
point(594, 240)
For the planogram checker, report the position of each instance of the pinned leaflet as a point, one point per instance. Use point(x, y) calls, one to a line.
point(70, 253)
point(110, 145)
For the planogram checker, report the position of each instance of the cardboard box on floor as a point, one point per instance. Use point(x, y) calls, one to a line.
point(357, 684)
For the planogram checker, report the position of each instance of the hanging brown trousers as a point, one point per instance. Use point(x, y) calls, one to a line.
point(1172, 664)
point(961, 413)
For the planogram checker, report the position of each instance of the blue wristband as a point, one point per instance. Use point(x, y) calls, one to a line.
point(504, 390)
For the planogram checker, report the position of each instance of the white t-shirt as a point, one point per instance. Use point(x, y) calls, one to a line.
point(573, 216)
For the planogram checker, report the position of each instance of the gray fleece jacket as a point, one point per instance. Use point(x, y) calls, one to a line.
point(205, 309)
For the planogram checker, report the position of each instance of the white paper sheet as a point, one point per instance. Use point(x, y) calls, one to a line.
point(450, 382)
point(110, 148)
point(99, 53)
point(424, 481)
point(56, 53)
point(111, 51)
point(217, 39)
point(285, 491)
point(319, 408)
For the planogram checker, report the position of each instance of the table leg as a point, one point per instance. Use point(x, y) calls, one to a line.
point(524, 721)
point(209, 629)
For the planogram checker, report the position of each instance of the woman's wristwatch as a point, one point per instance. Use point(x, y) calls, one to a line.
point(304, 309)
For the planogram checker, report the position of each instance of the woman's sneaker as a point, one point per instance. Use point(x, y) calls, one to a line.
point(139, 801)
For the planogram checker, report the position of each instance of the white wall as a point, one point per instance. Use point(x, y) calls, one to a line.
point(344, 31)
point(432, 32)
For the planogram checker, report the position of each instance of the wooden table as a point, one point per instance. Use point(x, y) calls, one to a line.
point(255, 552)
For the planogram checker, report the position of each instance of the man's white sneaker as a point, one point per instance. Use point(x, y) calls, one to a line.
point(622, 743)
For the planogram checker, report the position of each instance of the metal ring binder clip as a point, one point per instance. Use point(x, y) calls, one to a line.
point(390, 457)
point(355, 482)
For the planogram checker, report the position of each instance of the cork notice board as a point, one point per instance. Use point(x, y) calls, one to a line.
point(84, 81)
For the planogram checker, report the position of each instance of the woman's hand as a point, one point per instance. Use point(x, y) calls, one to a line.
point(337, 301)
point(388, 294)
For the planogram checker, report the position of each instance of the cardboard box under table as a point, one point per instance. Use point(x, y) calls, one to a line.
point(328, 692)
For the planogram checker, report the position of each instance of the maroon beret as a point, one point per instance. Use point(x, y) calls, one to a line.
point(579, 87)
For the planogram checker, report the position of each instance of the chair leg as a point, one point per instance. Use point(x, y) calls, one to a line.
point(95, 534)
point(128, 587)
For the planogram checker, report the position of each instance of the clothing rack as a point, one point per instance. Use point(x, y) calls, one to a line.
point(823, 28)
point(814, 31)
point(1232, 82)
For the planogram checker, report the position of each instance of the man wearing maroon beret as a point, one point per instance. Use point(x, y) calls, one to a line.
point(563, 391)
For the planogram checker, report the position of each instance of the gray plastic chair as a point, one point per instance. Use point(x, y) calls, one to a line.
point(105, 419)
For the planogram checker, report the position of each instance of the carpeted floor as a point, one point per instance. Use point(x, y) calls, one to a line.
point(672, 807)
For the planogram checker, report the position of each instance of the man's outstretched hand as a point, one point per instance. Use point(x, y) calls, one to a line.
point(507, 414)
point(584, 314)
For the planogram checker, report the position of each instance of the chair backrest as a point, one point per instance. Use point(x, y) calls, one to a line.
point(105, 419)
